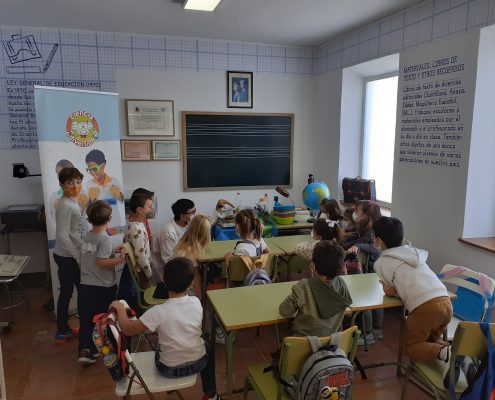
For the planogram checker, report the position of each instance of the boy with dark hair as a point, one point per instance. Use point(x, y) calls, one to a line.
point(98, 287)
point(319, 302)
point(181, 351)
point(70, 228)
point(168, 237)
point(403, 272)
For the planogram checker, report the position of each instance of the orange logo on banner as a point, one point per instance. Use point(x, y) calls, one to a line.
point(82, 128)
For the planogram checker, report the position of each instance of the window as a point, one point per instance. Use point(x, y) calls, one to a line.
point(379, 134)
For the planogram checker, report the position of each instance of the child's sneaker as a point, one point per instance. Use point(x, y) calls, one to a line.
point(378, 334)
point(215, 397)
point(62, 337)
point(85, 357)
point(370, 339)
point(219, 335)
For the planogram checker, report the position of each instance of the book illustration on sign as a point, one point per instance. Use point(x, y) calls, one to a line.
point(24, 48)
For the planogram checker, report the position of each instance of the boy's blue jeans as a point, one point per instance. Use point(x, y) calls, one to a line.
point(205, 366)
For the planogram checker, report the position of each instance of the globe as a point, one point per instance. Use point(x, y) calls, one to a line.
point(314, 193)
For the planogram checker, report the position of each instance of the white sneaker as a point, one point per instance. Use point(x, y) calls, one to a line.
point(370, 339)
point(219, 335)
point(378, 334)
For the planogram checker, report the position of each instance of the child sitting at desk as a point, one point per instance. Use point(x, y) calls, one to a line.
point(323, 229)
point(194, 243)
point(319, 302)
point(403, 272)
point(250, 229)
point(181, 350)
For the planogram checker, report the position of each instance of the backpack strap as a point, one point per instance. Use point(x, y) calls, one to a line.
point(451, 273)
point(484, 286)
point(259, 251)
point(314, 342)
point(336, 339)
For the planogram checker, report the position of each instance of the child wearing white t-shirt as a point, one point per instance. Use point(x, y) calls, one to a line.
point(250, 229)
point(182, 350)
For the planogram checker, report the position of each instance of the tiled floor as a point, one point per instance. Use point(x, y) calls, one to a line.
point(36, 368)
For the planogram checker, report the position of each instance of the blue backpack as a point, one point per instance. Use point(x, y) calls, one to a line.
point(482, 385)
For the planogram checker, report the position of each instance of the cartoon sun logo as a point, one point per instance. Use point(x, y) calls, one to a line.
point(82, 128)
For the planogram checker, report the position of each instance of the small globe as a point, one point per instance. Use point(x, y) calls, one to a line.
point(314, 193)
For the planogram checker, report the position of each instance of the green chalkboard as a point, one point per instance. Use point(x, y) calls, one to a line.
point(236, 150)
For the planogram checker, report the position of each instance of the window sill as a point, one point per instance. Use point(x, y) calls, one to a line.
point(485, 243)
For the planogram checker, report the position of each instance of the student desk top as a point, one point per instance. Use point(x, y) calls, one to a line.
point(287, 243)
point(218, 248)
point(295, 225)
point(250, 306)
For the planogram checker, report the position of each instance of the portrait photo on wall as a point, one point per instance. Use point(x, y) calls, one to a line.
point(239, 89)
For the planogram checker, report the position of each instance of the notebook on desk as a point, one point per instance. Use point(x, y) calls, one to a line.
point(12, 265)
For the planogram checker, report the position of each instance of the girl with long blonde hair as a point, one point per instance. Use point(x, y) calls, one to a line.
point(194, 243)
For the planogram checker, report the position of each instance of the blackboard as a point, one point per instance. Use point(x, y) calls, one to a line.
point(236, 150)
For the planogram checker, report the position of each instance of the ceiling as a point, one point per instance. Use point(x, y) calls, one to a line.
point(287, 22)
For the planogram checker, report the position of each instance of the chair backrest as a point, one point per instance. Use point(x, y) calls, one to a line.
point(237, 269)
point(131, 264)
point(475, 293)
point(295, 350)
point(469, 340)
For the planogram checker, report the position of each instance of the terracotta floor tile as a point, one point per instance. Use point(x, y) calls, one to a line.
point(36, 368)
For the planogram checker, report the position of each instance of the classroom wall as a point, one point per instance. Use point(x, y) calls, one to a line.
point(430, 200)
point(205, 91)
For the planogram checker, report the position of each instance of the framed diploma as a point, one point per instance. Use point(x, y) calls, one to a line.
point(135, 150)
point(166, 149)
point(150, 117)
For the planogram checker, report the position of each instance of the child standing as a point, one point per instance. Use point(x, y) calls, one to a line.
point(250, 230)
point(323, 229)
point(98, 287)
point(141, 205)
point(181, 351)
point(320, 302)
point(403, 271)
point(70, 228)
point(194, 243)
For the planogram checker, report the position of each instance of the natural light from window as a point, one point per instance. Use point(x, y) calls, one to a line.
point(379, 135)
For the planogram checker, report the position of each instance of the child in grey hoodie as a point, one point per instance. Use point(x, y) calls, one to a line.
point(319, 302)
point(403, 272)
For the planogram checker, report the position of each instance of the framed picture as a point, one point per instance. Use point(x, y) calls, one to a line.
point(166, 149)
point(135, 150)
point(239, 89)
point(150, 117)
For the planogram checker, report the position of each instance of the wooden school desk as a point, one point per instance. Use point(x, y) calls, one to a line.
point(253, 306)
point(287, 243)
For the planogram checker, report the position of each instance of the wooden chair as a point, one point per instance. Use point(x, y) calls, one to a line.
point(475, 293)
point(145, 299)
point(295, 350)
point(154, 380)
point(469, 340)
point(237, 269)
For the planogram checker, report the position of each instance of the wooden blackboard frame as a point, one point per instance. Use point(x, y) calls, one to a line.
point(184, 149)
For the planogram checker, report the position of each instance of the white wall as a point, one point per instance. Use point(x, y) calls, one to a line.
point(327, 129)
point(479, 218)
point(430, 200)
point(205, 91)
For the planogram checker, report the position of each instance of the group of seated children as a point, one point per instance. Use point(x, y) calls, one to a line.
point(87, 260)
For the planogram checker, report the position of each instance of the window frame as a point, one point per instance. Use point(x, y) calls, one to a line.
point(367, 79)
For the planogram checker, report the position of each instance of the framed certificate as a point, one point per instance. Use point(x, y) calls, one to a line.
point(135, 150)
point(150, 117)
point(166, 149)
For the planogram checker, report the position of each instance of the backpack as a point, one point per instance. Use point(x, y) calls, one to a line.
point(257, 276)
point(326, 374)
point(352, 264)
point(482, 385)
point(111, 343)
